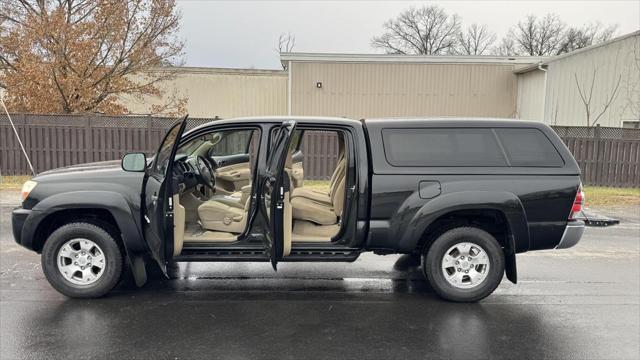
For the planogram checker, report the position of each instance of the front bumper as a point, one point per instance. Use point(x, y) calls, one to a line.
point(18, 219)
point(572, 234)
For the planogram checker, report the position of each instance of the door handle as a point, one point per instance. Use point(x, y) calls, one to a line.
point(154, 199)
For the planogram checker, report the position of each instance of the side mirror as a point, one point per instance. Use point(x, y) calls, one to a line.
point(136, 162)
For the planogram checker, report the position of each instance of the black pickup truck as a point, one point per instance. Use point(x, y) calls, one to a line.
point(463, 195)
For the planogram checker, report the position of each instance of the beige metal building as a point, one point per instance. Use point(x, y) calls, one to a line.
point(607, 75)
point(225, 93)
point(360, 86)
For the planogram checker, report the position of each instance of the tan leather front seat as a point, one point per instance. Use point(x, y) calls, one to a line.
point(218, 216)
point(236, 199)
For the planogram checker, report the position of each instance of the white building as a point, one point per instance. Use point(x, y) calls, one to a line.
point(606, 74)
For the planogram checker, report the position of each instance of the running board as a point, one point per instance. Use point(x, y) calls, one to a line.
point(247, 254)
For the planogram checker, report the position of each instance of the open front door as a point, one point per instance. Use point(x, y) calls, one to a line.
point(275, 195)
point(157, 190)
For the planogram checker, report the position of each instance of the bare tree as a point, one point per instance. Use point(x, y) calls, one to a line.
point(538, 36)
point(507, 47)
point(428, 30)
point(575, 38)
point(286, 43)
point(549, 35)
point(476, 40)
point(587, 99)
point(74, 56)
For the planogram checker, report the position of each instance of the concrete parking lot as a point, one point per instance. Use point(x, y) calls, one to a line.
point(579, 303)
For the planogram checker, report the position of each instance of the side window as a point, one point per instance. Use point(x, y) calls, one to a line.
point(529, 148)
point(322, 150)
point(223, 143)
point(442, 147)
point(296, 138)
point(230, 142)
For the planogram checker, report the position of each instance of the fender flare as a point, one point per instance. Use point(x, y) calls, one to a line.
point(506, 203)
point(115, 203)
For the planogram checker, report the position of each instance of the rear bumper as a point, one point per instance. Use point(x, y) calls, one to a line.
point(572, 234)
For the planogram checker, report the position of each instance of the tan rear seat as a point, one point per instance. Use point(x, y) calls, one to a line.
point(321, 196)
point(317, 212)
point(338, 173)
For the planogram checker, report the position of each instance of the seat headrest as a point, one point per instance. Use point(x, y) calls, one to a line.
point(288, 162)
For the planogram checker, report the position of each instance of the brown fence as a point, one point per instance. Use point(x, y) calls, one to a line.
point(607, 156)
point(60, 140)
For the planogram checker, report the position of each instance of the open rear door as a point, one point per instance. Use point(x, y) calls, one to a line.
point(157, 190)
point(275, 195)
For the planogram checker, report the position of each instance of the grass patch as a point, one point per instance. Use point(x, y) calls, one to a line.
point(607, 196)
point(13, 182)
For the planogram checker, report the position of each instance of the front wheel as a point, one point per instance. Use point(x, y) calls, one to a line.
point(465, 264)
point(82, 260)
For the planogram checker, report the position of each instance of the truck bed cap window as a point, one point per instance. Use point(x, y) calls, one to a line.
point(442, 147)
point(469, 147)
point(529, 148)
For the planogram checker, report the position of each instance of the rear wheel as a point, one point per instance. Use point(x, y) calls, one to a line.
point(82, 260)
point(464, 264)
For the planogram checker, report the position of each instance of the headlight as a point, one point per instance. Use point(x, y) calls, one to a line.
point(27, 187)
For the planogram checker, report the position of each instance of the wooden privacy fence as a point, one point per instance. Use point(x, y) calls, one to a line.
point(54, 141)
point(607, 156)
point(61, 140)
point(320, 154)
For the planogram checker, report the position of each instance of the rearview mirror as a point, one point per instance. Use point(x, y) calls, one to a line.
point(136, 162)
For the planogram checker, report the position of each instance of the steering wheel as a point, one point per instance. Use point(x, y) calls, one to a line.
point(205, 172)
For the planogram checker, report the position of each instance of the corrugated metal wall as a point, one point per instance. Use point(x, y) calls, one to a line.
point(531, 95)
point(360, 90)
point(225, 93)
point(616, 60)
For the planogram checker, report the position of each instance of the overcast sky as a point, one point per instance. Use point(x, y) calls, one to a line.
point(244, 34)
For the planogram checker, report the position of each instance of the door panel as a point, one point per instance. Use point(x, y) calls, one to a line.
point(232, 173)
point(158, 189)
point(232, 178)
point(275, 194)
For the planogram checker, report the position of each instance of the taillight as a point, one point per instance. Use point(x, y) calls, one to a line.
point(576, 209)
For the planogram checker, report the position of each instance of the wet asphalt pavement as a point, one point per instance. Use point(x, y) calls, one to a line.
point(579, 303)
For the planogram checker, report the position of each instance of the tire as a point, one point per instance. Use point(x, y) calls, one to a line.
point(449, 249)
point(104, 269)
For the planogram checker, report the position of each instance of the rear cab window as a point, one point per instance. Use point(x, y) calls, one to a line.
point(469, 147)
